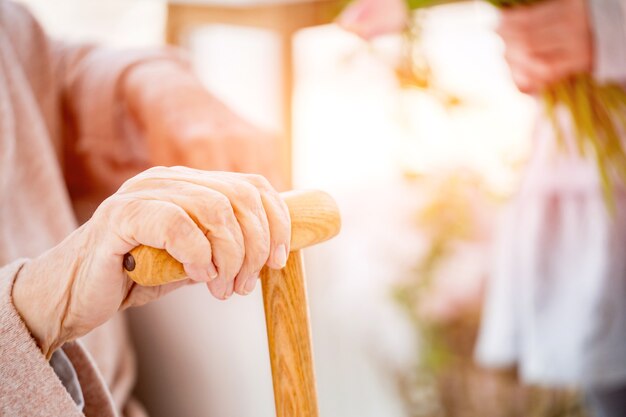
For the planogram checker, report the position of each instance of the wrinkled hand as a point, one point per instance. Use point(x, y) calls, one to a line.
point(546, 42)
point(185, 125)
point(371, 18)
point(223, 228)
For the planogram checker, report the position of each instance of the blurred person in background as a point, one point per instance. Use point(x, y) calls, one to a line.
point(77, 121)
point(556, 305)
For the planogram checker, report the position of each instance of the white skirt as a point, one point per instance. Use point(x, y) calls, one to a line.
point(556, 302)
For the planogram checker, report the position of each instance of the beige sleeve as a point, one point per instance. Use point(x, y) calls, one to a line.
point(77, 88)
point(30, 387)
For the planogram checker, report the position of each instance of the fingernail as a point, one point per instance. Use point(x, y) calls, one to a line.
point(219, 287)
point(212, 271)
point(250, 284)
point(280, 255)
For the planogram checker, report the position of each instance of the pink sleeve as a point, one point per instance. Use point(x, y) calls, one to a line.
point(30, 387)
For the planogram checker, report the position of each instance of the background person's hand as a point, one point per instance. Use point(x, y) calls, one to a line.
point(371, 18)
point(185, 125)
point(546, 42)
point(223, 227)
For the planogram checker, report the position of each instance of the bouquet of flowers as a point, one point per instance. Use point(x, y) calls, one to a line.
point(597, 111)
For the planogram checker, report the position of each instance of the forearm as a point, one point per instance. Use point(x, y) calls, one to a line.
point(29, 384)
point(40, 297)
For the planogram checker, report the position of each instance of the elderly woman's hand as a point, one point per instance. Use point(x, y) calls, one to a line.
point(546, 42)
point(222, 227)
point(185, 125)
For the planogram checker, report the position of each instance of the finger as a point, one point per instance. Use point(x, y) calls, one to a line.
point(278, 223)
point(525, 80)
point(214, 213)
point(537, 42)
point(556, 24)
point(229, 184)
point(164, 225)
point(545, 71)
point(533, 35)
point(139, 295)
point(278, 220)
point(249, 214)
point(221, 288)
point(530, 74)
point(253, 220)
point(533, 15)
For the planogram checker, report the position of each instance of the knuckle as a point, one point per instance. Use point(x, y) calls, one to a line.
point(154, 171)
point(121, 213)
point(258, 181)
point(109, 203)
point(180, 169)
point(109, 209)
point(126, 185)
point(248, 195)
point(142, 177)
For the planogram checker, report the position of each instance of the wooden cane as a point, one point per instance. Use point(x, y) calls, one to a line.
point(314, 219)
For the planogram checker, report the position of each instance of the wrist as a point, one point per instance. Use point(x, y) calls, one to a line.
point(40, 302)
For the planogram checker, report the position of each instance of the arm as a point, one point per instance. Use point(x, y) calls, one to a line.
point(29, 384)
point(554, 39)
point(112, 114)
point(80, 95)
point(132, 110)
point(222, 227)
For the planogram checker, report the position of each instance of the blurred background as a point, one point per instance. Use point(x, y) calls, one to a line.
point(421, 168)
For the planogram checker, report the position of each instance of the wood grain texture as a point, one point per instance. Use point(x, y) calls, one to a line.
point(314, 219)
point(289, 339)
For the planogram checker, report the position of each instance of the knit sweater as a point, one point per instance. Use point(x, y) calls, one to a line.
point(65, 144)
